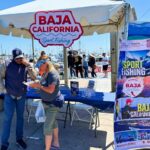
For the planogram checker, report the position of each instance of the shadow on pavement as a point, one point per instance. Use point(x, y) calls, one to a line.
point(75, 137)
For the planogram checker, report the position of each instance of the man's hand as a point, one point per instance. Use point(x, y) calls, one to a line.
point(25, 62)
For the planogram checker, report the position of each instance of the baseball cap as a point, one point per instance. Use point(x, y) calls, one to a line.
point(17, 53)
point(41, 62)
point(129, 101)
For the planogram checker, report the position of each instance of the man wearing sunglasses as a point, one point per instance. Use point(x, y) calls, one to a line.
point(14, 74)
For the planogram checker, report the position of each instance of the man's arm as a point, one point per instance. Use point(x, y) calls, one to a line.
point(31, 71)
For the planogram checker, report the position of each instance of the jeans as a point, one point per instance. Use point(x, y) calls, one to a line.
point(85, 71)
point(72, 71)
point(79, 69)
point(93, 74)
point(10, 105)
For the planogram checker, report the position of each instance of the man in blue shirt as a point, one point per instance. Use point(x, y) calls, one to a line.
point(85, 66)
point(14, 74)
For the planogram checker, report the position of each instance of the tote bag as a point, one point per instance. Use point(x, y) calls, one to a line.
point(40, 113)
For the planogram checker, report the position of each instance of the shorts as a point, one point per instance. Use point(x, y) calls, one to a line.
point(105, 67)
point(51, 122)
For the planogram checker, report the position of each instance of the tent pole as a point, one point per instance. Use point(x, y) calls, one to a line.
point(65, 66)
point(125, 35)
point(114, 59)
point(33, 48)
point(115, 39)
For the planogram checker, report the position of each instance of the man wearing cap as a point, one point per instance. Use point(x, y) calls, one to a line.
point(127, 109)
point(14, 74)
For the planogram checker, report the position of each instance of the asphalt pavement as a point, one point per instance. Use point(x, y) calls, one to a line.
point(75, 137)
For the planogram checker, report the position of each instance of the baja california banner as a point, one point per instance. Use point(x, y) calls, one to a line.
point(132, 106)
point(55, 28)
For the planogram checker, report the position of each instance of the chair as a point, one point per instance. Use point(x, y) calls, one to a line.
point(88, 92)
point(31, 104)
point(78, 108)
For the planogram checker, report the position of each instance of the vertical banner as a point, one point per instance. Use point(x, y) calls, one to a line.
point(132, 106)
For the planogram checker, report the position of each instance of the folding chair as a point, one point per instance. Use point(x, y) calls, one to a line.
point(31, 105)
point(87, 108)
point(78, 108)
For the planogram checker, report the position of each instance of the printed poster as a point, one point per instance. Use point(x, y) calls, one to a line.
point(74, 85)
point(132, 105)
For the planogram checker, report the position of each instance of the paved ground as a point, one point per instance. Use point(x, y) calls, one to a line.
point(101, 84)
point(75, 137)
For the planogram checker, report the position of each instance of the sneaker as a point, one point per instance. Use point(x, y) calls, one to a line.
point(54, 148)
point(3, 147)
point(21, 144)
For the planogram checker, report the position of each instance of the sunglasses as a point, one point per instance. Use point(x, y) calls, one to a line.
point(19, 59)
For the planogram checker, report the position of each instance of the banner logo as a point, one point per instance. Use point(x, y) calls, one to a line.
point(133, 87)
point(55, 28)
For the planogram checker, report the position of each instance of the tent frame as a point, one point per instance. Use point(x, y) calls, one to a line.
point(89, 29)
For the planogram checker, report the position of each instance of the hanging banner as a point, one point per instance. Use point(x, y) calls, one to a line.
point(55, 28)
point(132, 106)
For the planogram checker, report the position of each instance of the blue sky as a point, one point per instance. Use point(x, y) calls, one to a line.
point(92, 43)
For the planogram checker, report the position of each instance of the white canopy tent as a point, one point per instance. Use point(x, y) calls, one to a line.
point(101, 16)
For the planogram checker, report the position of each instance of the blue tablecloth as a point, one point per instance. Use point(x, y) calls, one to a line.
point(99, 99)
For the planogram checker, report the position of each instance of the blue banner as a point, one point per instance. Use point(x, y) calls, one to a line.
point(139, 30)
